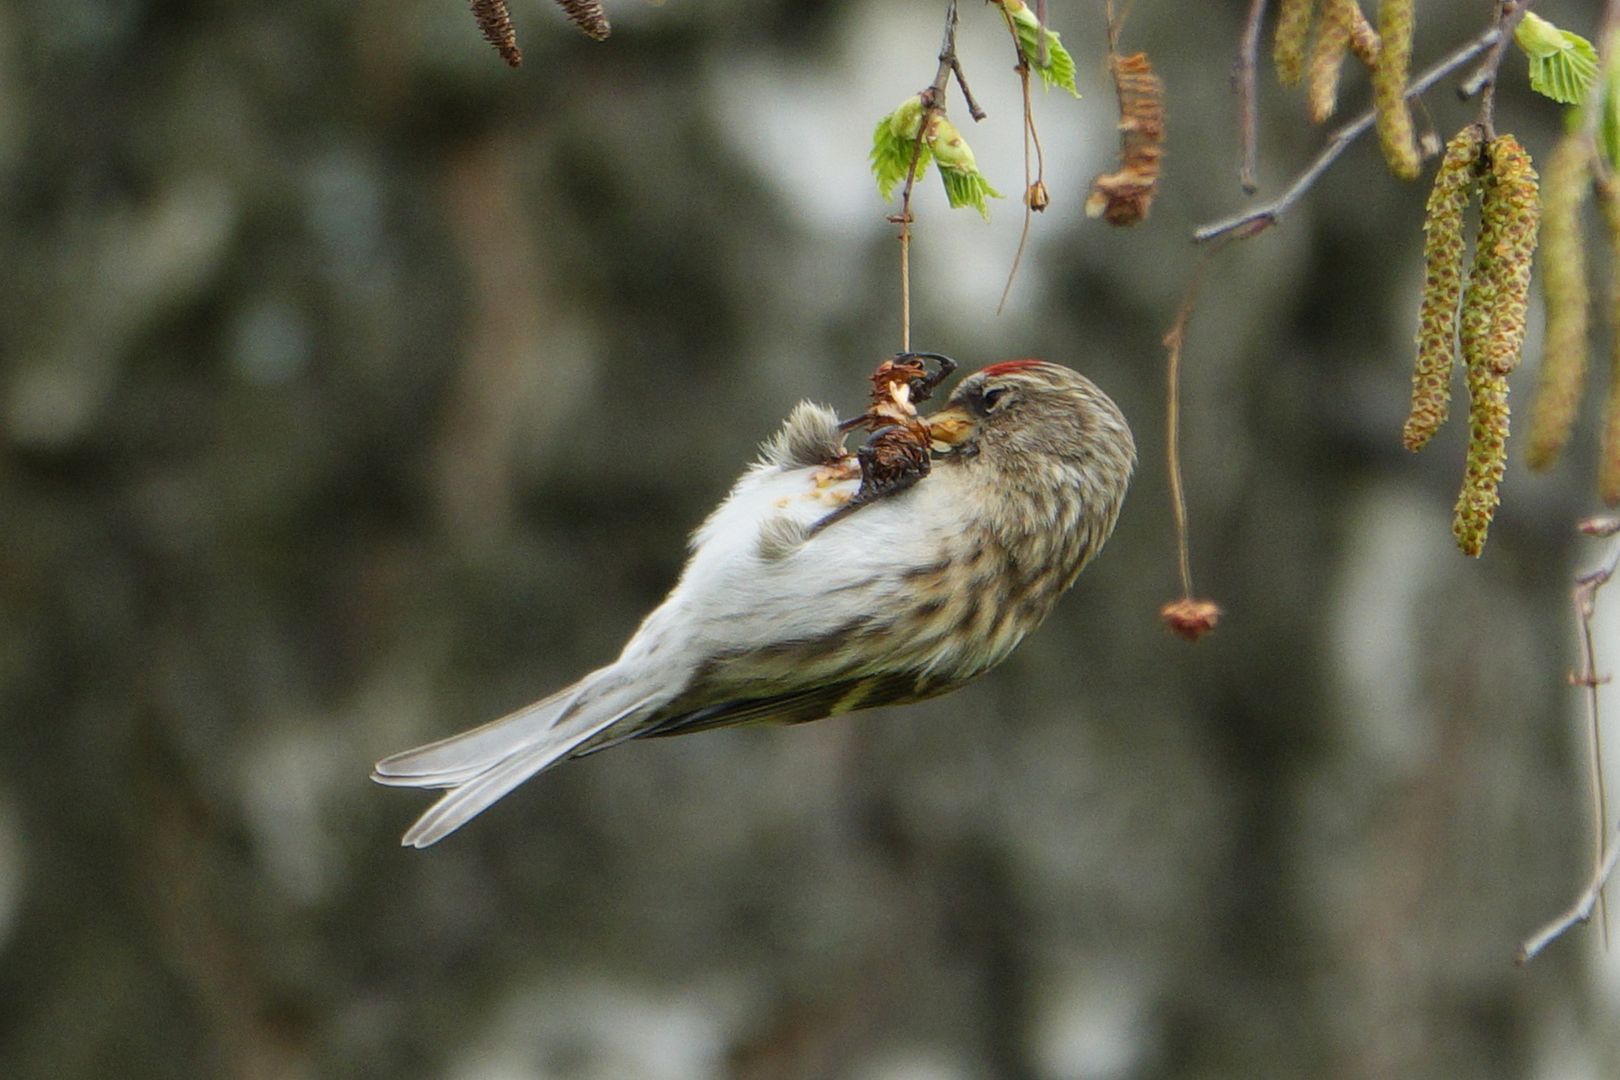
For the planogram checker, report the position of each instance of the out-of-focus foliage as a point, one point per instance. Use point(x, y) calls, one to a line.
point(354, 388)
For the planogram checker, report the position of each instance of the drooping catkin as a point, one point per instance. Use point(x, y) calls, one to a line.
point(1563, 286)
point(1363, 38)
point(1395, 20)
point(1609, 467)
point(1510, 217)
point(1443, 250)
point(1327, 59)
point(1487, 460)
point(1288, 47)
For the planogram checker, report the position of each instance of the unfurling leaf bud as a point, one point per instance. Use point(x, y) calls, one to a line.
point(1487, 460)
point(1288, 47)
point(965, 185)
point(1562, 65)
point(1054, 65)
point(1563, 284)
point(1510, 215)
point(894, 143)
point(1443, 250)
point(1395, 20)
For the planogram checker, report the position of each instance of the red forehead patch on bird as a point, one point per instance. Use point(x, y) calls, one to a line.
point(1010, 365)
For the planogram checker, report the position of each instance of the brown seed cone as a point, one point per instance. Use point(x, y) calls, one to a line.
point(1443, 250)
point(496, 23)
point(588, 16)
point(1124, 197)
point(1510, 218)
point(1327, 59)
point(1395, 135)
point(1609, 466)
point(1487, 460)
point(1563, 285)
point(1288, 47)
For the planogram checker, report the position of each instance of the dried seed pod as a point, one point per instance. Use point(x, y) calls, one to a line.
point(1510, 217)
point(1327, 59)
point(1288, 47)
point(1124, 197)
point(1443, 250)
point(1609, 466)
point(588, 16)
point(1563, 285)
point(496, 23)
point(1190, 618)
point(1487, 460)
point(1395, 20)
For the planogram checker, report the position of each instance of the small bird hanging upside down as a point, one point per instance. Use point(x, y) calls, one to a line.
point(823, 584)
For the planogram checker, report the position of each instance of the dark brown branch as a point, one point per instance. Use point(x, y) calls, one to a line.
point(1248, 64)
point(1261, 218)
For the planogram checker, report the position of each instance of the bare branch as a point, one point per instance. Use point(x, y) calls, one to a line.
point(1261, 218)
point(1248, 108)
point(933, 99)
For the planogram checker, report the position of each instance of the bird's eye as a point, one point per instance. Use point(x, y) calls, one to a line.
point(993, 396)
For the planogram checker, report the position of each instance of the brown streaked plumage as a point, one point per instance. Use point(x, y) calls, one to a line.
point(780, 618)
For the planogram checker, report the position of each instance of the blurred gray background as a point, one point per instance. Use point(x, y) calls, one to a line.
point(355, 389)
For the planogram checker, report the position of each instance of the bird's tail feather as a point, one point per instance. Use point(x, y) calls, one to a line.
point(456, 760)
point(484, 764)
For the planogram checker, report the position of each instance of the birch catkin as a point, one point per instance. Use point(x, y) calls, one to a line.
point(1563, 286)
point(1609, 466)
point(1395, 20)
point(1510, 217)
point(1443, 250)
point(1487, 460)
point(1327, 59)
point(1288, 47)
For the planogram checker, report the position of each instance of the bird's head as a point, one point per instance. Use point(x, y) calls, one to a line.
point(1023, 414)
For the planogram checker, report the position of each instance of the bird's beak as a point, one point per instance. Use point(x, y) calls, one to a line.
point(950, 427)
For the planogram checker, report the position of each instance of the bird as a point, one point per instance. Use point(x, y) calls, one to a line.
point(777, 619)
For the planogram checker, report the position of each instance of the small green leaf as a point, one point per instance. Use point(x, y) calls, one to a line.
point(1562, 64)
point(1059, 67)
point(965, 185)
point(893, 142)
point(969, 189)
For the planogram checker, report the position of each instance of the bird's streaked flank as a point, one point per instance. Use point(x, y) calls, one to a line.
point(777, 621)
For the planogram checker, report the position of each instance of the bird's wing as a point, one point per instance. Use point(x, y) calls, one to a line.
point(798, 706)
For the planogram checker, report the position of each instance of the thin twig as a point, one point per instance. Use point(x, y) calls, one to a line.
point(1483, 80)
point(967, 95)
point(1248, 64)
point(1258, 220)
point(1029, 208)
point(1579, 913)
point(1021, 66)
point(1173, 339)
point(933, 99)
point(1607, 851)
